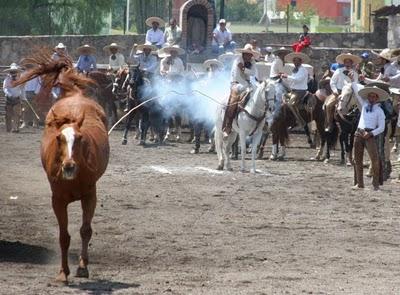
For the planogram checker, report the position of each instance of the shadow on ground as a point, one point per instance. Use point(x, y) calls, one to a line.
point(24, 253)
point(102, 287)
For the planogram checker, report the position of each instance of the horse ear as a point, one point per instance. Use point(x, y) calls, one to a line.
point(79, 122)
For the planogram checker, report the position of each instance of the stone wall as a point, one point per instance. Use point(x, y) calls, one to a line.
point(394, 31)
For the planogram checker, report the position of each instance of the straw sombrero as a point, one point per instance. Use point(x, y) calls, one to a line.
point(281, 50)
point(341, 58)
point(86, 47)
point(380, 84)
point(227, 57)
point(13, 68)
point(388, 54)
point(161, 53)
point(304, 57)
point(382, 94)
point(60, 46)
point(248, 49)
point(214, 61)
point(151, 20)
point(168, 49)
point(146, 46)
point(112, 45)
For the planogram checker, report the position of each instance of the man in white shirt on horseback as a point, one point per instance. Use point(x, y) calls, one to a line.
point(242, 76)
point(171, 66)
point(341, 77)
point(298, 83)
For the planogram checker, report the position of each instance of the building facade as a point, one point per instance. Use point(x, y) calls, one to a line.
point(361, 10)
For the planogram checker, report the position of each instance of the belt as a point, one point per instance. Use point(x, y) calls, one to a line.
point(275, 78)
point(364, 130)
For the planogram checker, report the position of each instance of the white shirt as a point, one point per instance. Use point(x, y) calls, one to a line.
point(12, 91)
point(299, 80)
point(118, 62)
point(243, 77)
point(371, 120)
point(270, 58)
point(155, 37)
point(147, 63)
point(33, 85)
point(339, 79)
point(222, 37)
point(276, 68)
point(175, 66)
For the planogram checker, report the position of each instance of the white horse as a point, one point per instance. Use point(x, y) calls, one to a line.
point(250, 121)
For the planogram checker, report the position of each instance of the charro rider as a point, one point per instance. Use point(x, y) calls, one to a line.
point(277, 68)
point(155, 36)
point(171, 66)
point(86, 61)
point(116, 60)
point(13, 98)
point(298, 83)
point(242, 74)
point(341, 77)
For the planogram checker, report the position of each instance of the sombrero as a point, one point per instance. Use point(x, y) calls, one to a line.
point(394, 90)
point(380, 84)
point(387, 54)
point(146, 46)
point(112, 45)
point(324, 81)
point(156, 19)
point(304, 57)
point(281, 50)
point(86, 47)
point(161, 53)
point(60, 46)
point(248, 49)
point(168, 49)
point(382, 94)
point(214, 61)
point(13, 68)
point(341, 58)
point(226, 57)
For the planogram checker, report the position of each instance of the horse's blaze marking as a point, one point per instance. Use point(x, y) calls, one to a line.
point(69, 135)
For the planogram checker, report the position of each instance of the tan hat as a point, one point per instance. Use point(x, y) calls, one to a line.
point(387, 54)
point(13, 68)
point(281, 50)
point(227, 57)
point(112, 45)
point(155, 19)
point(60, 46)
point(214, 61)
point(161, 53)
point(342, 57)
point(168, 49)
point(146, 46)
point(382, 94)
point(380, 84)
point(304, 57)
point(325, 81)
point(248, 48)
point(86, 47)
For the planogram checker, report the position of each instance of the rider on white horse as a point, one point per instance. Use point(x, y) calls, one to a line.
point(242, 74)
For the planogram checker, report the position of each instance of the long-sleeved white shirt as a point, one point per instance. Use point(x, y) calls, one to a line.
point(171, 67)
point(391, 71)
point(221, 37)
point(118, 62)
point(10, 91)
point(339, 79)
point(243, 77)
point(374, 119)
point(276, 68)
point(299, 80)
point(155, 37)
point(147, 63)
point(33, 85)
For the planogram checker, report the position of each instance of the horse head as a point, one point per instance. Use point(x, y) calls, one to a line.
point(119, 86)
point(69, 145)
point(346, 100)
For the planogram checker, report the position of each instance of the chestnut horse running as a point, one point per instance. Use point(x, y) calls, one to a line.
point(74, 150)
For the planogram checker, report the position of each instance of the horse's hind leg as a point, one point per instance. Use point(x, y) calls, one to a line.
point(126, 130)
point(88, 203)
point(60, 210)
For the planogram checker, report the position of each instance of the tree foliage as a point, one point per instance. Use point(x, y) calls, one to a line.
point(240, 10)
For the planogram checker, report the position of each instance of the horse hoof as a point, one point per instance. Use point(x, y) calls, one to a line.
point(82, 272)
point(124, 142)
point(62, 278)
point(348, 164)
point(273, 158)
point(326, 161)
point(220, 167)
point(229, 169)
point(281, 158)
point(142, 142)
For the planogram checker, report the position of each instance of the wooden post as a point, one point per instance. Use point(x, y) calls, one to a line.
point(222, 9)
point(369, 17)
point(287, 18)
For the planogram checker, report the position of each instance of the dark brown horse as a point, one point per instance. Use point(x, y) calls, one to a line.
point(74, 151)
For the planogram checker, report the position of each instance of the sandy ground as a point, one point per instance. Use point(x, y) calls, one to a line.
point(167, 223)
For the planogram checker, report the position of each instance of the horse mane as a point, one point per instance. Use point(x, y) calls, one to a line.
point(53, 72)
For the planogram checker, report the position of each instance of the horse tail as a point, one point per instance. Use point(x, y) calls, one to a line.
point(53, 72)
point(332, 137)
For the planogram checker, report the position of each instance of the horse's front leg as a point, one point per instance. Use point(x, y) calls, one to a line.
point(242, 138)
point(218, 138)
point(60, 210)
point(256, 140)
point(88, 204)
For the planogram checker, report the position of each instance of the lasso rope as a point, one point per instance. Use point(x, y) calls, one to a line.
point(161, 96)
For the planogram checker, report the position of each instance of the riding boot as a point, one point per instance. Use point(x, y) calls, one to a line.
point(230, 113)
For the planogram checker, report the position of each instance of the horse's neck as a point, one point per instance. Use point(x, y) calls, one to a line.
point(256, 104)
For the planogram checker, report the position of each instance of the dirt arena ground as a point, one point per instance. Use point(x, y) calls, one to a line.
point(167, 223)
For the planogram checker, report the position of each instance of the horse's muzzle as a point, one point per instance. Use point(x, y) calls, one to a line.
point(69, 170)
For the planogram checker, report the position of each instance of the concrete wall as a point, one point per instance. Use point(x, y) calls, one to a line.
point(12, 49)
point(394, 31)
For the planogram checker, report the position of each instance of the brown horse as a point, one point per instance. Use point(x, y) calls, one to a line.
point(74, 151)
